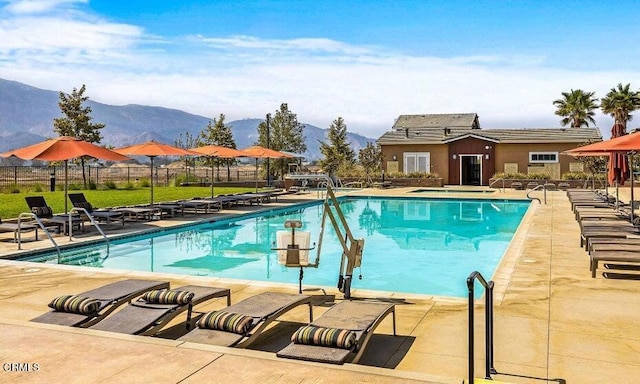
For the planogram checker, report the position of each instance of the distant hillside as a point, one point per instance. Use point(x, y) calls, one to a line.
point(27, 113)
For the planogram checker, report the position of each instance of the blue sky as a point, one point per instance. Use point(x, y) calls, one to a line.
point(366, 61)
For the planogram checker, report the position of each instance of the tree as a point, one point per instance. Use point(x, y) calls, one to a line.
point(285, 134)
point(576, 108)
point(186, 141)
point(77, 121)
point(619, 103)
point(218, 133)
point(370, 158)
point(337, 151)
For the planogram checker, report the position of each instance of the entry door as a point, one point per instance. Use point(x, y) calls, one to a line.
point(471, 169)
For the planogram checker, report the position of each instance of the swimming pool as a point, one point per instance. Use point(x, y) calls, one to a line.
point(444, 190)
point(412, 245)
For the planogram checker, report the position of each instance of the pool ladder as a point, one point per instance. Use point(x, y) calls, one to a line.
point(488, 329)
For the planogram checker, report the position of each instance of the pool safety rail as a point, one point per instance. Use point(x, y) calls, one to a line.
point(351, 248)
point(488, 300)
point(76, 210)
point(31, 215)
point(544, 189)
point(497, 180)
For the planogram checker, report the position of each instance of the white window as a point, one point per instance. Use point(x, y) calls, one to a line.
point(543, 157)
point(417, 162)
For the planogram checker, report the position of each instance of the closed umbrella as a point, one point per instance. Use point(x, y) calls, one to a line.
point(212, 151)
point(64, 148)
point(259, 152)
point(153, 149)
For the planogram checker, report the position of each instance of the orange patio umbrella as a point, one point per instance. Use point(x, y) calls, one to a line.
point(259, 152)
point(218, 151)
point(64, 148)
point(615, 148)
point(153, 149)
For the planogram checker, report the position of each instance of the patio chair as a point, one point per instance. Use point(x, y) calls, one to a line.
point(151, 312)
point(341, 332)
point(146, 213)
point(17, 231)
point(240, 324)
point(109, 297)
point(79, 201)
point(40, 208)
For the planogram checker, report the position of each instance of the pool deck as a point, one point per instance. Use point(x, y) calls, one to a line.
point(552, 320)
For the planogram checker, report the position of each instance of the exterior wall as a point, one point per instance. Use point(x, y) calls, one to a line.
point(439, 155)
point(519, 154)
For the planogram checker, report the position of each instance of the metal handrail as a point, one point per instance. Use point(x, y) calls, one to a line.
point(495, 181)
point(488, 286)
point(40, 224)
point(95, 224)
point(544, 188)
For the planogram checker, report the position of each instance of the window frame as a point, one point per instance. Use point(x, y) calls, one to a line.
point(555, 154)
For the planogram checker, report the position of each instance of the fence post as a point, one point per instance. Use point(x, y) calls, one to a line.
point(15, 174)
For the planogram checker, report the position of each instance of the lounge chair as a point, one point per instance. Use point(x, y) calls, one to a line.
point(350, 322)
point(261, 309)
point(621, 256)
point(109, 296)
point(18, 229)
point(140, 213)
point(79, 201)
point(40, 208)
point(146, 316)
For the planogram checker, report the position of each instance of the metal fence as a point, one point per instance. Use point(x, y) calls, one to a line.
point(48, 177)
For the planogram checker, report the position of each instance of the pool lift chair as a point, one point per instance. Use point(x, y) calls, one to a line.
point(291, 254)
point(293, 251)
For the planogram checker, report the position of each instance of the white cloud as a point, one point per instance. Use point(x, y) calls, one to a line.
point(321, 79)
point(37, 6)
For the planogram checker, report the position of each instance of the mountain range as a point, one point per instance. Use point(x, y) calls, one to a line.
point(27, 113)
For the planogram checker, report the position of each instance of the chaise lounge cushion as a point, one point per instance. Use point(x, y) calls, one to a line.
point(75, 304)
point(326, 337)
point(42, 211)
point(226, 321)
point(168, 296)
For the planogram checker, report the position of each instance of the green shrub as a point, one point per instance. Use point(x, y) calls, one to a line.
point(37, 188)
point(128, 186)
point(145, 182)
point(110, 184)
point(92, 185)
point(74, 187)
point(510, 176)
point(539, 176)
point(12, 189)
point(574, 176)
point(190, 178)
point(412, 175)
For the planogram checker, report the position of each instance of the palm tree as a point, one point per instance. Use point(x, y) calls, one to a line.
point(620, 102)
point(576, 108)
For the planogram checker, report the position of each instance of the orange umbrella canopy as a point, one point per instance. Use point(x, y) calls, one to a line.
point(626, 143)
point(264, 153)
point(153, 148)
point(64, 148)
point(219, 151)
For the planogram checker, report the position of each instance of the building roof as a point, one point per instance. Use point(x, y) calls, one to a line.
point(450, 120)
point(446, 128)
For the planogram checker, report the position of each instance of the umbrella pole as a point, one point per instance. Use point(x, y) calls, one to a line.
point(66, 182)
point(212, 178)
point(256, 175)
point(631, 177)
point(151, 157)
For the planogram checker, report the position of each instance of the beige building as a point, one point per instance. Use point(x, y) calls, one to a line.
point(456, 148)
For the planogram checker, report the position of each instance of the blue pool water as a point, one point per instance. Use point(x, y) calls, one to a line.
point(426, 246)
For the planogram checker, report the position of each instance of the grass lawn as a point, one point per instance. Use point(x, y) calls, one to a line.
point(12, 204)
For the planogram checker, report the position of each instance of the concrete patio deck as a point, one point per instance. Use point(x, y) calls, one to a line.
point(553, 322)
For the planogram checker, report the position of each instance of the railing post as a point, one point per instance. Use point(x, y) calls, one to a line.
point(489, 368)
